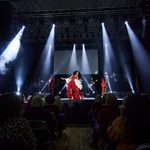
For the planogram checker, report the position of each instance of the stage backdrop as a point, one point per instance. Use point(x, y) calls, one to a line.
point(63, 64)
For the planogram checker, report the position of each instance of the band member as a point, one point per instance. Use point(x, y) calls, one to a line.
point(107, 82)
point(51, 84)
point(74, 86)
point(103, 86)
point(114, 81)
point(114, 77)
point(96, 84)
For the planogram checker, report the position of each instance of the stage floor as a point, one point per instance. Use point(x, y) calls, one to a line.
point(87, 98)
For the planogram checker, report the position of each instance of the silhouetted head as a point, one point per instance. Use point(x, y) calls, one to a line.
point(111, 99)
point(137, 111)
point(10, 106)
point(49, 99)
point(37, 101)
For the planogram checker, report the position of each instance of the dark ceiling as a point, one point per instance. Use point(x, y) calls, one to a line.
point(38, 5)
point(76, 21)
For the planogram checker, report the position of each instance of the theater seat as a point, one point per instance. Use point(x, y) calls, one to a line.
point(8, 144)
point(42, 134)
point(145, 146)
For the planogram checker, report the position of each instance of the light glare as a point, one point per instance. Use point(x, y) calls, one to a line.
point(10, 53)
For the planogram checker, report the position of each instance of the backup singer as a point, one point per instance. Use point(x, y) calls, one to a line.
point(103, 86)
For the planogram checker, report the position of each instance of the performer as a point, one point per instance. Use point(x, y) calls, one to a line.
point(51, 84)
point(103, 86)
point(114, 81)
point(74, 86)
point(97, 82)
point(114, 77)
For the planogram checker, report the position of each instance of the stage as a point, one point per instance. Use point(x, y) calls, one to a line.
point(85, 99)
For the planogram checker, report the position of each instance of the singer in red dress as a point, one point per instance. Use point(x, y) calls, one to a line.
point(74, 86)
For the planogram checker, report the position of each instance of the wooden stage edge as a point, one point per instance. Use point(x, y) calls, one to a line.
point(85, 99)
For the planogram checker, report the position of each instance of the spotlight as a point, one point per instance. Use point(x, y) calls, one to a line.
point(17, 93)
point(96, 72)
point(50, 46)
point(59, 92)
point(39, 92)
point(141, 58)
point(89, 85)
point(11, 52)
point(133, 91)
point(93, 92)
point(53, 25)
point(126, 22)
point(102, 23)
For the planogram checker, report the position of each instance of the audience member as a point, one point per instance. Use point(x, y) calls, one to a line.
point(104, 117)
point(37, 112)
point(52, 106)
point(132, 127)
point(97, 105)
point(49, 104)
point(13, 127)
point(58, 102)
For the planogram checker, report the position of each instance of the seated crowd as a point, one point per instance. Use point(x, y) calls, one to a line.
point(17, 118)
point(121, 126)
point(114, 126)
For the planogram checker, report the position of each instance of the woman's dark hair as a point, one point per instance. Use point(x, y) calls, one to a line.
point(137, 112)
point(9, 106)
point(79, 74)
point(49, 99)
